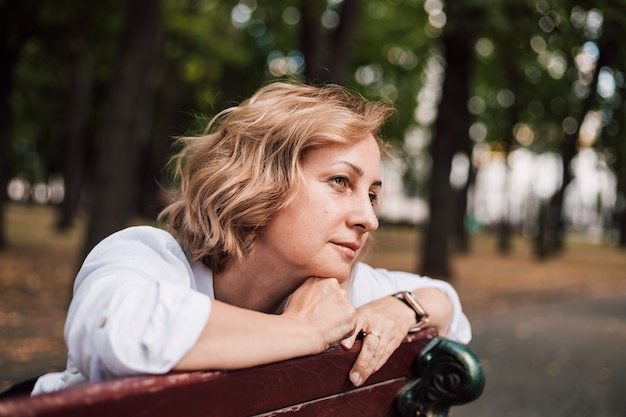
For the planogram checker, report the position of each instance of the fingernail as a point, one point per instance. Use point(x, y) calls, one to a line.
point(355, 378)
point(346, 344)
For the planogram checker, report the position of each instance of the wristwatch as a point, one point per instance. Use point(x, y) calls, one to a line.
point(421, 316)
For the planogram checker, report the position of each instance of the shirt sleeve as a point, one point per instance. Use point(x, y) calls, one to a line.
point(135, 309)
point(370, 284)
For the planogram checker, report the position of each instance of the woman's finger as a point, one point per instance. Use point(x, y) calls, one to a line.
point(369, 357)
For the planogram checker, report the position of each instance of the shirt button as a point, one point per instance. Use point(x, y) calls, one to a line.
point(102, 322)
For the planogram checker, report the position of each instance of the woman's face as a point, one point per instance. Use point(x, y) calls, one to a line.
point(321, 232)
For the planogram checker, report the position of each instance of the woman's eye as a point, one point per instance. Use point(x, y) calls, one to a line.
point(373, 198)
point(340, 181)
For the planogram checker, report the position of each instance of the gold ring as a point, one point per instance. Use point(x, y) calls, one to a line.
point(373, 334)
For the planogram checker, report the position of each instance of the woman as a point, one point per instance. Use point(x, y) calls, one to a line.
point(260, 262)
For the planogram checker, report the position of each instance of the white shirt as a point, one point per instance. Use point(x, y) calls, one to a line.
point(139, 306)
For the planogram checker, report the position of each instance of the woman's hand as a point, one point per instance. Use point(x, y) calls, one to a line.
point(386, 322)
point(323, 304)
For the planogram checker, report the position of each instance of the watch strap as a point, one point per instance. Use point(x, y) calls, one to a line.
point(421, 316)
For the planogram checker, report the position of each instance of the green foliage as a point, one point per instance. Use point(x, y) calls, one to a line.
point(535, 46)
point(201, 45)
point(40, 97)
point(524, 71)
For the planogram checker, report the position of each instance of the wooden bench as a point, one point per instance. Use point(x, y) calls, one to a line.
point(424, 377)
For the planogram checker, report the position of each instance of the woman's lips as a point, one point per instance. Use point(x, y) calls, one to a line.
point(348, 249)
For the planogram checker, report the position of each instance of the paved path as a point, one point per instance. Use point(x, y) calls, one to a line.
point(562, 359)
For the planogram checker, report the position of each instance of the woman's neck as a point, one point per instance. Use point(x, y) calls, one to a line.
point(254, 285)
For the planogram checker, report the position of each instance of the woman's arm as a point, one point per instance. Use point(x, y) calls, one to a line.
point(317, 316)
point(370, 284)
point(137, 326)
point(438, 306)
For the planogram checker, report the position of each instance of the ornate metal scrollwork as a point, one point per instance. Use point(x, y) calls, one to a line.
point(448, 374)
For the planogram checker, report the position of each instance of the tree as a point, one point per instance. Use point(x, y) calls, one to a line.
point(612, 142)
point(126, 121)
point(450, 134)
point(80, 92)
point(327, 52)
point(15, 29)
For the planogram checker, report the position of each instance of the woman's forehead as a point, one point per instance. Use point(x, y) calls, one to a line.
point(362, 156)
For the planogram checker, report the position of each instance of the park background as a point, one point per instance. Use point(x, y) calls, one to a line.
point(509, 176)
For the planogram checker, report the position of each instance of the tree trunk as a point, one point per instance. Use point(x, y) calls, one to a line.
point(154, 182)
point(621, 215)
point(450, 132)
point(569, 149)
point(81, 89)
point(342, 41)
point(16, 26)
point(620, 173)
point(126, 121)
point(6, 86)
point(613, 56)
point(311, 42)
point(554, 220)
point(327, 58)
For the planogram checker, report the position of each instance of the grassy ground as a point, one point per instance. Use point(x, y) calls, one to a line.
point(488, 282)
point(37, 271)
point(36, 274)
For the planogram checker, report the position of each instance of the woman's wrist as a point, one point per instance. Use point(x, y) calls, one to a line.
point(406, 314)
point(421, 316)
point(307, 339)
point(438, 306)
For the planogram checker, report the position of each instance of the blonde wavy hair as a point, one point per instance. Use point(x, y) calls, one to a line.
point(247, 165)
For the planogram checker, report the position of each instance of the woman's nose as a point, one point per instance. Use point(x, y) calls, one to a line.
point(364, 216)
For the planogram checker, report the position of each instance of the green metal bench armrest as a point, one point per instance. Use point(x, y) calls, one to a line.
point(448, 374)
